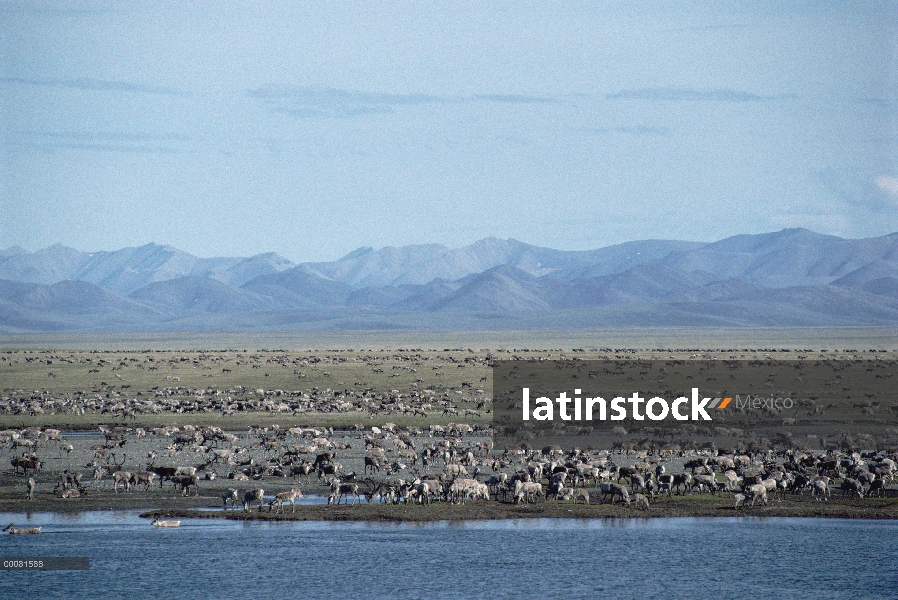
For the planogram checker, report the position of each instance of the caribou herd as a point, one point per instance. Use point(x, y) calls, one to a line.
point(117, 400)
point(453, 464)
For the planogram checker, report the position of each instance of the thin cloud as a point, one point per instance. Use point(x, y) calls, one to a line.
point(329, 102)
point(97, 147)
point(859, 191)
point(887, 185)
point(335, 103)
point(103, 141)
point(627, 130)
point(513, 99)
point(99, 85)
point(882, 102)
point(24, 9)
point(673, 94)
point(703, 28)
point(110, 136)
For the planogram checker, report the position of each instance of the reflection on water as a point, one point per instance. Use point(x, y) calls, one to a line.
point(309, 499)
point(573, 558)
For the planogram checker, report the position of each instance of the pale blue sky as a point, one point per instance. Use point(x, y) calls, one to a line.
point(310, 129)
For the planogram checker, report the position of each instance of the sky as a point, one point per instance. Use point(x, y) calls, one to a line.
point(313, 128)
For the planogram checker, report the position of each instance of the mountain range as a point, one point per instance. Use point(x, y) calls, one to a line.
point(789, 277)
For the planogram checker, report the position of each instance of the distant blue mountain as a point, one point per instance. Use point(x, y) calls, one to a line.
point(789, 277)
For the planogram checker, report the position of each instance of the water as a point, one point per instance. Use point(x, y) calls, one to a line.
point(538, 558)
point(307, 499)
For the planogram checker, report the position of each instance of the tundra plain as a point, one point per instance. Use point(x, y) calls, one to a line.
point(269, 405)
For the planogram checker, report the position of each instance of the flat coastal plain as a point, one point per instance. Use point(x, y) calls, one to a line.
point(248, 411)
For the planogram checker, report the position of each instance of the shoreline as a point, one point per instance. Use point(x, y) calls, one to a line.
point(501, 512)
point(205, 507)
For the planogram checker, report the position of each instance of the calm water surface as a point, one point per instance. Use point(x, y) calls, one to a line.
point(527, 558)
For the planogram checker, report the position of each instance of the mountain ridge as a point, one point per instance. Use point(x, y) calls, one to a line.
point(793, 276)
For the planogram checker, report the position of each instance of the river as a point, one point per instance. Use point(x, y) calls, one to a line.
point(521, 558)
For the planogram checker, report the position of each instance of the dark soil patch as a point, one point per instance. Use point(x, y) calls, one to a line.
point(689, 506)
